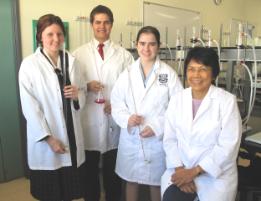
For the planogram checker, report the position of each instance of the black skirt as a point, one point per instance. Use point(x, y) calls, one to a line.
point(66, 183)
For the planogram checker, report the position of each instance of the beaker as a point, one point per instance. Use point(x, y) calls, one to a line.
point(99, 98)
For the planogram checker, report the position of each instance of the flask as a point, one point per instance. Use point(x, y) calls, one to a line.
point(99, 98)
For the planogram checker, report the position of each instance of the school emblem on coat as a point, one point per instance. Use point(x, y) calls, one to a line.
point(163, 79)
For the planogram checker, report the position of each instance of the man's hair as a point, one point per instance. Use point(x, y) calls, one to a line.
point(101, 9)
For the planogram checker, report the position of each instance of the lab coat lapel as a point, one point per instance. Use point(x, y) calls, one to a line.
point(103, 63)
point(96, 60)
point(109, 53)
point(153, 78)
point(44, 60)
point(204, 106)
point(188, 108)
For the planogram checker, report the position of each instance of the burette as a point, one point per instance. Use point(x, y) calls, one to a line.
point(196, 39)
point(179, 54)
point(136, 112)
point(167, 46)
point(209, 45)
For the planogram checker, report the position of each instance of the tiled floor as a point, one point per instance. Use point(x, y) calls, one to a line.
point(17, 190)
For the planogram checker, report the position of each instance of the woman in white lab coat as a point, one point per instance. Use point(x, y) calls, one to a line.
point(202, 141)
point(139, 100)
point(51, 100)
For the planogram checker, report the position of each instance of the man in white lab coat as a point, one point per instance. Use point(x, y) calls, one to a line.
point(101, 61)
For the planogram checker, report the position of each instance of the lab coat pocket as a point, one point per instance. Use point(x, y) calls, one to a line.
point(114, 132)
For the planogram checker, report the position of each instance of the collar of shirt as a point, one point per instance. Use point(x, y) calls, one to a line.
point(105, 47)
point(146, 79)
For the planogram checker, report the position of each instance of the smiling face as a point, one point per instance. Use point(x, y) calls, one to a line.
point(101, 27)
point(199, 77)
point(147, 47)
point(52, 39)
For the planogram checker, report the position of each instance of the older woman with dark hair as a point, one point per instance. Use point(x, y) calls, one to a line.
point(51, 97)
point(202, 141)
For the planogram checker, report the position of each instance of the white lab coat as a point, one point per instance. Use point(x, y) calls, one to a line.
point(43, 109)
point(210, 140)
point(100, 131)
point(151, 102)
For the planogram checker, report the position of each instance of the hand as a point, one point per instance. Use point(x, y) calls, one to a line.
point(107, 107)
point(56, 145)
point(183, 176)
point(70, 91)
point(94, 86)
point(147, 132)
point(135, 120)
point(189, 188)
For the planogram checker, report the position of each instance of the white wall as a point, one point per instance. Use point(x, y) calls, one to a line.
point(124, 10)
point(253, 14)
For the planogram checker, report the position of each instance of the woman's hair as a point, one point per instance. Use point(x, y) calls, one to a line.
point(45, 21)
point(205, 56)
point(149, 29)
point(101, 9)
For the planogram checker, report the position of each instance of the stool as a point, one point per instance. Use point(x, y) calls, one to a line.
point(249, 193)
point(249, 180)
